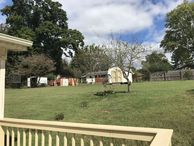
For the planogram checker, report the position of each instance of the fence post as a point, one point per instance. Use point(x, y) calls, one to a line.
point(181, 76)
point(164, 76)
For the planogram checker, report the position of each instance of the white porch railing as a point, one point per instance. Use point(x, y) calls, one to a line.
point(17, 132)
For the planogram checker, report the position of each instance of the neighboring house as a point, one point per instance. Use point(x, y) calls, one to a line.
point(113, 75)
point(40, 81)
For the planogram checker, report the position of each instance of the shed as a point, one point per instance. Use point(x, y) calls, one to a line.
point(95, 77)
point(115, 75)
point(34, 81)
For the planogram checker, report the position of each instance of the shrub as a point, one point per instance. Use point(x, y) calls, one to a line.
point(188, 74)
point(59, 117)
point(104, 93)
point(51, 76)
point(84, 104)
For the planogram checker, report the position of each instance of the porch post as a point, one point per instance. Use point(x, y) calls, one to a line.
point(2, 87)
point(3, 56)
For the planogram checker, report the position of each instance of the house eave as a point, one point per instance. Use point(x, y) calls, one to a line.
point(14, 43)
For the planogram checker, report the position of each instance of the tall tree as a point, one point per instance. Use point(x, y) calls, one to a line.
point(179, 37)
point(156, 62)
point(124, 55)
point(45, 23)
point(90, 59)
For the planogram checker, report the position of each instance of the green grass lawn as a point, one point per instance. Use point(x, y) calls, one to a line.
point(150, 104)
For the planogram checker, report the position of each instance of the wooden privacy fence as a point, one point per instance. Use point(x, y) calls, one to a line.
point(15, 132)
point(171, 75)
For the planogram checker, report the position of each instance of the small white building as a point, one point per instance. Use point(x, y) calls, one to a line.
point(90, 80)
point(38, 81)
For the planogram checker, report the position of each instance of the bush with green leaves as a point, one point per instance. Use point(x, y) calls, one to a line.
point(59, 116)
point(188, 74)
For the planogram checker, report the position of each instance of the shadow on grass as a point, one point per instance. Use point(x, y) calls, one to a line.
point(190, 91)
point(108, 92)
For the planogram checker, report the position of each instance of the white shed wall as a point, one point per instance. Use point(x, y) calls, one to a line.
point(117, 69)
point(90, 80)
point(41, 80)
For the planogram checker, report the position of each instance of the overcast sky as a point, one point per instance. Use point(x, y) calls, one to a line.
point(126, 19)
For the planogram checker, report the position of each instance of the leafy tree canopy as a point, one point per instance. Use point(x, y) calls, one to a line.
point(35, 65)
point(45, 23)
point(179, 37)
point(90, 59)
point(156, 62)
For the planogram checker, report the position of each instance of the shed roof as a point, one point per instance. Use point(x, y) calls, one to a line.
point(96, 73)
point(13, 43)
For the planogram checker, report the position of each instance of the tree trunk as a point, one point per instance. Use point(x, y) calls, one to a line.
point(128, 85)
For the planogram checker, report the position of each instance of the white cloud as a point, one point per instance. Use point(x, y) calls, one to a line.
point(106, 19)
point(2, 1)
point(102, 17)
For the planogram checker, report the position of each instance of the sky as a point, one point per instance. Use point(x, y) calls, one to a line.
point(128, 20)
point(99, 20)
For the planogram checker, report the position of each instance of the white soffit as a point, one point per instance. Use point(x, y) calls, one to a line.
point(13, 43)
